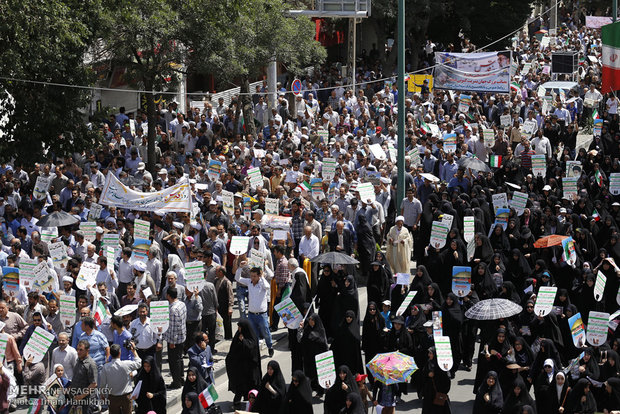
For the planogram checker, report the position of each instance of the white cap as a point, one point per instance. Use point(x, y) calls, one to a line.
point(139, 266)
point(98, 229)
point(547, 188)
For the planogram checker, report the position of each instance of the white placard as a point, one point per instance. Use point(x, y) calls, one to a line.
point(94, 212)
point(544, 300)
point(378, 152)
point(87, 275)
point(530, 126)
point(43, 278)
point(272, 206)
point(447, 219)
point(228, 202)
point(499, 200)
point(444, 352)
point(289, 313)
point(160, 315)
point(48, 234)
point(38, 344)
point(67, 309)
point(325, 369)
point(88, 229)
point(26, 272)
point(519, 202)
point(4, 340)
point(439, 232)
point(599, 287)
point(614, 183)
point(406, 302)
point(596, 333)
point(239, 245)
point(126, 310)
point(367, 192)
point(194, 276)
point(505, 120)
point(280, 234)
point(469, 228)
point(141, 229)
point(58, 253)
point(403, 279)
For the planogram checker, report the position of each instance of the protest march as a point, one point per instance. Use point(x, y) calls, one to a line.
point(286, 256)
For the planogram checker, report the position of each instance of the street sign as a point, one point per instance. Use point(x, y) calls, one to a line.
point(296, 87)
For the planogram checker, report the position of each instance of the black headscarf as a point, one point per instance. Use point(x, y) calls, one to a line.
point(197, 386)
point(496, 400)
point(196, 407)
point(356, 407)
point(353, 327)
point(513, 403)
point(298, 397)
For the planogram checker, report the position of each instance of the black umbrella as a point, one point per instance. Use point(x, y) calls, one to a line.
point(335, 258)
point(473, 164)
point(57, 219)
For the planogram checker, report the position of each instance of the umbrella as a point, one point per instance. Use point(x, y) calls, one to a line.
point(492, 309)
point(57, 219)
point(548, 241)
point(335, 258)
point(473, 164)
point(392, 367)
point(430, 177)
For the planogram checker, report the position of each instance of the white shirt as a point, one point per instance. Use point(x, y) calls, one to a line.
point(309, 247)
point(258, 295)
point(144, 335)
point(612, 104)
point(66, 358)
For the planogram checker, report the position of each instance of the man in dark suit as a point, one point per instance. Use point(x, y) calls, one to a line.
point(340, 240)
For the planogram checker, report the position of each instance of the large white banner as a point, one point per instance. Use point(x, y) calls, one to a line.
point(481, 72)
point(175, 198)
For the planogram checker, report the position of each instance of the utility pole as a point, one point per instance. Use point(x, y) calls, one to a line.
point(400, 83)
point(614, 10)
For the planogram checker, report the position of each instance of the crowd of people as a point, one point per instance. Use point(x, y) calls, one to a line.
point(314, 158)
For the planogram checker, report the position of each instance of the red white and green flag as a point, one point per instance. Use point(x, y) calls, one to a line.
point(598, 177)
point(514, 86)
point(610, 35)
point(495, 161)
point(101, 313)
point(208, 397)
point(424, 128)
point(304, 187)
point(595, 215)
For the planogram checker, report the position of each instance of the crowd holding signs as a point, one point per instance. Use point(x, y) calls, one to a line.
point(512, 226)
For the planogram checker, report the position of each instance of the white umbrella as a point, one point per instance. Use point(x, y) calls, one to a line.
point(430, 177)
point(493, 309)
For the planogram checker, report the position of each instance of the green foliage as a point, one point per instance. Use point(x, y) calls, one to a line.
point(45, 40)
point(481, 21)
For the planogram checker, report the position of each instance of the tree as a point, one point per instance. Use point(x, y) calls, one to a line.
point(45, 41)
point(159, 39)
point(261, 31)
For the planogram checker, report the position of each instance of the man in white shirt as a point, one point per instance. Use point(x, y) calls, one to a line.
point(542, 145)
point(308, 245)
point(64, 355)
point(258, 303)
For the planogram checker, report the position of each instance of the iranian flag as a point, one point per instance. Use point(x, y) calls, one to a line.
point(495, 161)
point(36, 406)
point(514, 86)
point(595, 215)
point(208, 396)
point(304, 187)
point(610, 35)
point(595, 114)
point(101, 313)
point(424, 128)
point(598, 177)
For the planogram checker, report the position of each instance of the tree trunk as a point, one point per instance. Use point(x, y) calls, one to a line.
point(245, 101)
point(236, 119)
point(152, 119)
